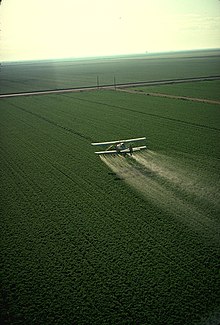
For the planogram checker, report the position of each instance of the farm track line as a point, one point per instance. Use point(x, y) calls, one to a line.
point(114, 106)
point(111, 86)
point(148, 114)
point(52, 122)
point(193, 99)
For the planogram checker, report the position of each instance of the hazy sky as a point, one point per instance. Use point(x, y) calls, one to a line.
point(32, 29)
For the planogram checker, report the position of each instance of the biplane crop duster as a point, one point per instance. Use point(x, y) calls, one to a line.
point(119, 146)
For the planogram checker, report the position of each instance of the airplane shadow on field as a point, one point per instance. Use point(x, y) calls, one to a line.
point(116, 177)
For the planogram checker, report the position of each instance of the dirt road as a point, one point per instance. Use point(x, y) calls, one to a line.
point(112, 86)
point(203, 100)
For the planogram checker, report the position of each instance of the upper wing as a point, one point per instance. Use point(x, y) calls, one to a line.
point(117, 141)
point(133, 140)
point(104, 143)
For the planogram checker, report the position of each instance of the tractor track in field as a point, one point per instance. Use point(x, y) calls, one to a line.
point(45, 119)
point(193, 99)
point(149, 114)
point(119, 86)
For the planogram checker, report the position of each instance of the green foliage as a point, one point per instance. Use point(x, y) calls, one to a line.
point(41, 75)
point(204, 89)
point(79, 245)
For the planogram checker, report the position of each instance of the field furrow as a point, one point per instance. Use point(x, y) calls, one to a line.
point(116, 240)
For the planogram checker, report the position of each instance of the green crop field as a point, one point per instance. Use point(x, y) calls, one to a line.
point(110, 240)
point(41, 75)
point(205, 89)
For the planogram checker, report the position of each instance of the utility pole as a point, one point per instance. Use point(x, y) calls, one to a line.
point(98, 82)
point(115, 82)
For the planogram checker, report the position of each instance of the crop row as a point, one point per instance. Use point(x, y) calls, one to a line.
point(204, 90)
point(67, 74)
point(79, 246)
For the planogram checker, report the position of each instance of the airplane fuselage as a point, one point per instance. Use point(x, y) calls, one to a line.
point(120, 146)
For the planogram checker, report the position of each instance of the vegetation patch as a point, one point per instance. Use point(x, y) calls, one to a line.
point(112, 240)
point(202, 89)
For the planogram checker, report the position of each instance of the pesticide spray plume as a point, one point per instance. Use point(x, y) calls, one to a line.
point(163, 181)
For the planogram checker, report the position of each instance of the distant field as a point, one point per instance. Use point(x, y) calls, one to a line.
point(41, 75)
point(204, 89)
point(112, 240)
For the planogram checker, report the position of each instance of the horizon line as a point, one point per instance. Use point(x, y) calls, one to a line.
point(109, 55)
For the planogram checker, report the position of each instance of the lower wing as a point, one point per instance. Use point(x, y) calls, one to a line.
point(117, 141)
point(127, 150)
